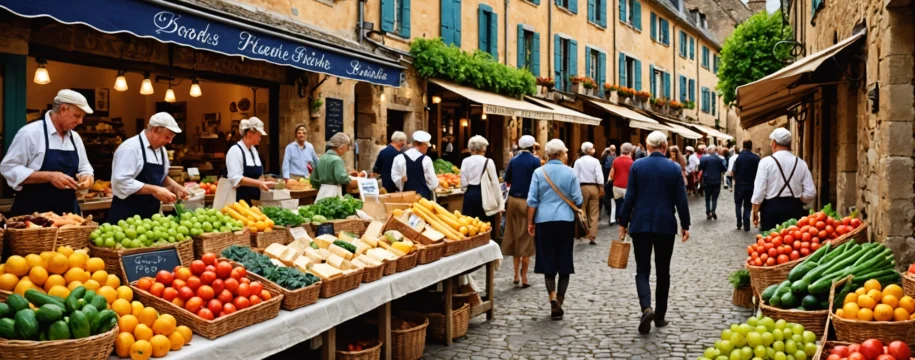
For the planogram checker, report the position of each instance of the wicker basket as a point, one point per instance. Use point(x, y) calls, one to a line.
point(372, 273)
point(859, 234)
point(763, 276)
point(112, 257)
point(480, 239)
point(812, 320)
point(2, 231)
point(216, 242)
point(825, 347)
point(372, 353)
point(395, 224)
point(856, 331)
point(429, 253)
point(263, 239)
point(75, 236)
point(406, 262)
point(455, 246)
point(390, 267)
point(409, 344)
point(212, 329)
point(31, 241)
point(292, 299)
point(460, 322)
point(908, 283)
point(342, 284)
point(743, 297)
point(619, 254)
point(97, 347)
point(355, 226)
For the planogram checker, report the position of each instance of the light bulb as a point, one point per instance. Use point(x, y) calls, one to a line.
point(483, 116)
point(436, 99)
point(382, 97)
point(146, 87)
point(170, 95)
point(41, 73)
point(195, 88)
point(120, 83)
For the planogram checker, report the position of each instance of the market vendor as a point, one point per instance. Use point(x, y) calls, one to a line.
point(783, 184)
point(412, 170)
point(243, 165)
point(300, 156)
point(139, 180)
point(330, 175)
point(385, 160)
point(46, 158)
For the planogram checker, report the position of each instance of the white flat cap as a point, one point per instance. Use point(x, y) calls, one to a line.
point(252, 123)
point(421, 136)
point(587, 145)
point(164, 119)
point(526, 141)
point(67, 96)
point(781, 136)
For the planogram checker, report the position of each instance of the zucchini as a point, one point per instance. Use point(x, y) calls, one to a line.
point(799, 271)
point(27, 325)
point(104, 322)
point(5, 310)
point(810, 302)
point(59, 331)
point(49, 313)
point(819, 254)
point(838, 251)
point(789, 301)
point(99, 302)
point(38, 299)
point(767, 294)
point(91, 312)
point(72, 300)
point(799, 288)
point(8, 329)
point(17, 302)
point(79, 325)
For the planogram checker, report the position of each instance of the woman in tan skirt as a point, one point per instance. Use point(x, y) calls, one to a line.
point(517, 242)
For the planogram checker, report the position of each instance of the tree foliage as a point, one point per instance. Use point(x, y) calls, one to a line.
point(750, 54)
point(433, 58)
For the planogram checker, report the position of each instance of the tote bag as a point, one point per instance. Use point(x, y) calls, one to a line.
point(491, 192)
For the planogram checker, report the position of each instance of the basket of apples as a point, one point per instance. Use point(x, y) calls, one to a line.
point(871, 349)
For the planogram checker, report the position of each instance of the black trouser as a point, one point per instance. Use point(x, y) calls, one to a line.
point(742, 195)
point(711, 196)
point(608, 200)
point(663, 246)
point(775, 211)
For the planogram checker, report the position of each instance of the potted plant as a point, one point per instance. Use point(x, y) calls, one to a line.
point(642, 95)
point(691, 105)
point(625, 92)
point(675, 107)
point(576, 83)
point(610, 89)
point(315, 106)
point(546, 84)
point(659, 103)
point(589, 84)
point(743, 293)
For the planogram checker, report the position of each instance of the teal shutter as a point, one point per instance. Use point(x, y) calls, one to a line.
point(704, 57)
point(623, 16)
point(692, 90)
point(622, 70)
point(692, 48)
point(665, 32)
point(716, 62)
point(714, 102)
point(15, 80)
point(387, 15)
point(667, 86)
point(704, 105)
point(573, 6)
point(592, 11)
point(456, 21)
point(483, 27)
point(405, 18)
point(602, 12)
point(494, 35)
point(521, 50)
point(652, 86)
point(535, 54)
point(682, 41)
point(636, 14)
point(637, 72)
point(557, 62)
point(601, 71)
point(683, 89)
point(588, 63)
point(654, 26)
point(536, 2)
point(573, 57)
point(447, 29)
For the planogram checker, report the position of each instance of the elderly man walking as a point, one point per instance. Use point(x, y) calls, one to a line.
point(591, 177)
point(655, 194)
point(619, 175)
point(713, 167)
point(783, 184)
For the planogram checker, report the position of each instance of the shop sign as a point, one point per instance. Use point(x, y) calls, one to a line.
point(504, 111)
point(333, 117)
point(145, 19)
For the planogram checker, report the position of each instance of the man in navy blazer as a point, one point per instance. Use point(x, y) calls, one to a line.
point(655, 193)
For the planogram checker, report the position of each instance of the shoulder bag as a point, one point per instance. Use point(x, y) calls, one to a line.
point(582, 227)
point(490, 191)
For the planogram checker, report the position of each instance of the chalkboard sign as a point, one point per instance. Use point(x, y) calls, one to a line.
point(325, 229)
point(333, 117)
point(139, 265)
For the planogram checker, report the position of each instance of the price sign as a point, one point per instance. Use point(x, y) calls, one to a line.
point(139, 265)
point(368, 187)
point(299, 233)
point(414, 220)
point(324, 229)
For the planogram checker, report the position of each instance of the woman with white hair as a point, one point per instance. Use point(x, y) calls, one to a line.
point(330, 175)
point(551, 220)
point(243, 164)
point(478, 171)
point(591, 178)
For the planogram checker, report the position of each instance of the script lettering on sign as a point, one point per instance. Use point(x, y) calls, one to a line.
point(166, 22)
point(364, 70)
point(148, 266)
point(149, 263)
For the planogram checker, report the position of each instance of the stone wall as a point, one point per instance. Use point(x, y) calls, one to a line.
point(723, 15)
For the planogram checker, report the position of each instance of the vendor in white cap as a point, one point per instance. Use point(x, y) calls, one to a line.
point(591, 178)
point(783, 184)
point(139, 180)
point(413, 170)
point(243, 165)
point(46, 158)
point(330, 174)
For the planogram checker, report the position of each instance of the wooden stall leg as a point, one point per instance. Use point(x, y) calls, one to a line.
point(329, 349)
point(448, 310)
point(384, 330)
point(490, 291)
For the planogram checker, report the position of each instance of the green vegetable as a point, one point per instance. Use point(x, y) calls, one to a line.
point(283, 217)
point(285, 277)
point(91, 312)
point(800, 270)
point(4, 310)
point(789, 301)
point(767, 294)
point(79, 325)
point(810, 302)
point(49, 313)
point(314, 246)
point(59, 331)
point(332, 208)
point(99, 302)
point(17, 302)
point(104, 322)
point(442, 167)
point(819, 254)
point(39, 299)
point(799, 288)
point(346, 246)
point(8, 329)
point(27, 324)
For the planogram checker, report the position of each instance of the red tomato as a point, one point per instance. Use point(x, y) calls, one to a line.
point(757, 262)
point(169, 294)
point(197, 267)
point(805, 236)
point(254, 299)
point(779, 241)
point(241, 271)
point(256, 287)
point(886, 357)
point(912, 269)
point(782, 259)
point(244, 290)
point(194, 304)
point(244, 280)
point(206, 293)
point(225, 296)
point(185, 293)
point(855, 223)
point(156, 289)
point(235, 274)
point(805, 245)
point(750, 250)
point(788, 248)
point(830, 229)
point(788, 239)
point(763, 257)
point(224, 270)
point(178, 284)
point(840, 350)
point(768, 246)
point(834, 357)
point(823, 234)
point(804, 252)
point(813, 231)
point(194, 283)
point(232, 284)
point(871, 348)
point(815, 241)
point(846, 221)
point(208, 258)
point(215, 306)
point(796, 244)
point(210, 268)
point(759, 236)
point(770, 261)
point(899, 350)
point(164, 277)
point(856, 356)
point(812, 221)
point(781, 250)
point(802, 220)
point(207, 277)
point(206, 314)
point(853, 348)
point(228, 308)
point(841, 230)
point(772, 252)
point(814, 246)
point(241, 303)
point(796, 234)
point(821, 216)
point(759, 242)
point(795, 255)
point(784, 232)
point(218, 285)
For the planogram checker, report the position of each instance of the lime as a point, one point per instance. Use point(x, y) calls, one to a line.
point(809, 337)
point(754, 339)
point(98, 241)
point(810, 348)
point(135, 244)
point(131, 234)
point(95, 233)
point(738, 340)
point(142, 238)
point(207, 227)
point(798, 339)
point(725, 346)
point(746, 353)
point(778, 335)
point(759, 351)
point(778, 345)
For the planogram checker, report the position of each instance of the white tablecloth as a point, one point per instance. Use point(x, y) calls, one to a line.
point(292, 327)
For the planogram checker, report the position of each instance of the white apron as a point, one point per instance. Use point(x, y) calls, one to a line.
point(328, 190)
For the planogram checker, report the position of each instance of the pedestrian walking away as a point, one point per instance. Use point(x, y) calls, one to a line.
point(713, 168)
point(477, 172)
point(656, 193)
point(591, 178)
point(674, 155)
point(783, 184)
point(609, 204)
point(692, 165)
point(619, 174)
point(553, 198)
point(385, 161)
point(730, 174)
point(517, 242)
point(744, 169)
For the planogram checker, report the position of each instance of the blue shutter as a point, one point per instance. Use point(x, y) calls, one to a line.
point(704, 105)
point(387, 15)
point(637, 72)
point(588, 62)
point(692, 48)
point(623, 16)
point(494, 35)
point(573, 6)
point(652, 86)
point(665, 32)
point(714, 102)
point(535, 54)
point(521, 49)
point(482, 28)
point(692, 90)
point(536, 2)
point(592, 11)
point(704, 57)
point(447, 30)
point(456, 21)
point(622, 70)
point(557, 62)
point(602, 11)
point(601, 71)
point(654, 26)
point(667, 86)
point(636, 14)
point(573, 57)
point(682, 89)
point(716, 62)
point(682, 43)
point(405, 18)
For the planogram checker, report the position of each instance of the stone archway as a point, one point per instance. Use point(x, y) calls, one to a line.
point(368, 129)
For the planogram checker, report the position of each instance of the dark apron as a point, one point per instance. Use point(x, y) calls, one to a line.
point(249, 193)
point(416, 177)
point(144, 205)
point(473, 199)
point(44, 196)
point(779, 209)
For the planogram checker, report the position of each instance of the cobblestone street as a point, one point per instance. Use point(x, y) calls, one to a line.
point(601, 308)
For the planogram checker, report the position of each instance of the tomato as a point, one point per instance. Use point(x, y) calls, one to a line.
point(169, 294)
point(805, 237)
point(265, 295)
point(779, 241)
point(254, 300)
point(762, 257)
point(795, 255)
point(782, 259)
point(814, 241)
point(781, 250)
point(846, 221)
point(145, 283)
point(823, 234)
point(194, 304)
point(215, 306)
point(788, 248)
point(840, 350)
point(206, 292)
point(899, 350)
point(218, 285)
point(812, 221)
point(206, 314)
point(805, 245)
point(841, 230)
point(834, 357)
point(871, 348)
point(814, 246)
point(770, 261)
point(210, 268)
point(224, 270)
point(182, 273)
point(886, 357)
point(856, 356)
point(768, 246)
point(813, 231)
point(802, 220)
point(821, 216)
point(244, 290)
point(804, 252)
point(207, 277)
point(772, 252)
point(759, 242)
point(244, 280)
point(232, 284)
point(855, 223)
point(225, 297)
point(759, 236)
point(830, 229)
point(228, 308)
point(788, 239)
point(197, 267)
point(235, 274)
point(757, 262)
point(853, 348)
point(750, 250)
point(164, 277)
point(241, 303)
point(194, 283)
point(186, 293)
point(796, 244)
point(241, 271)
point(784, 232)
point(178, 284)
point(208, 258)
point(157, 289)
point(256, 287)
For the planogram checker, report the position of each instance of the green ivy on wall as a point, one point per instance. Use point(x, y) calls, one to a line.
point(434, 59)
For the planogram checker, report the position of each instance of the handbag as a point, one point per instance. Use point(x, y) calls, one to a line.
point(619, 253)
point(582, 227)
point(492, 198)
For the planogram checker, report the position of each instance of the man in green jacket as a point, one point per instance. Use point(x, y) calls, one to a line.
point(330, 176)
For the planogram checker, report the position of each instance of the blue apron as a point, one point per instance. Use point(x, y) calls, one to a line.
point(248, 193)
point(44, 196)
point(144, 205)
point(416, 177)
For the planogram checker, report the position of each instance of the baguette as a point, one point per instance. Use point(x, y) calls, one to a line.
point(432, 221)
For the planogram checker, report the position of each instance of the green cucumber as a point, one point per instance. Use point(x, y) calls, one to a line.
point(810, 302)
point(27, 325)
point(802, 269)
point(38, 299)
point(789, 301)
point(799, 288)
point(784, 287)
point(4, 310)
point(99, 302)
point(104, 322)
point(817, 255)
point(91, 312)
point(59, 331)
point(767, 294)
point(17, 302)
point(79, 325)
point(49, 313)
point(8, 329)
point(839, 250)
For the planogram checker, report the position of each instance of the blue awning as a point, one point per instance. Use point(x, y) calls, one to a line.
point(170, 23)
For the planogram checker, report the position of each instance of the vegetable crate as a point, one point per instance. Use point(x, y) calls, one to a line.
point(263, 239)
point(112, 257)
point(216, 242)
point(292, 299)
point(98, 347)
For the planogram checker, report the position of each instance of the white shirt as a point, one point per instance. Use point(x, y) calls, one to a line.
point(589, 171)
point(731, 164)
point(26, 153)
point(692, 163)
point(235, 166)
point(472, 170)
point(769, 181)
point(399, 169)
point(128, 163)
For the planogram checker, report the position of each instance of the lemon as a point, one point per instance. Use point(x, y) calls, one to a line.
point(16, 265)
point(78, 260)
point(95, 264)
point(33, 260)
point(65, 251)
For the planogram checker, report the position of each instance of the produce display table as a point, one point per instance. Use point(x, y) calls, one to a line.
point(292, 327)
point(451, 201)
point(306, 197)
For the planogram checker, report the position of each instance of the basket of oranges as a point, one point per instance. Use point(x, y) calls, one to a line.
point(143, 332)
point(55, 273)
point(873, 312)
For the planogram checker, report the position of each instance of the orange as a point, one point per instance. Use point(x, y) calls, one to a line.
point(851, 311)
point(185, 332)
point(74, 285)
point(907, 303)
point(2, 271)
point(74, 274)
point(142, 332)
point(58, 264)
point(122, 344)
point(109, 293)
point(900, 314)
point(890, 300)
point(136, 308)
point(893, 289)
point(866, 302)
point(65, 251)
point(78, 260)
point(148, 316)
point(261, 226)
point(841, 313)
point(16, 265)
point(54, 280)
point(113, 281)
point(8, 282)
point(46, 256)
point(164, 325)
point(176, 340)
point(95, 264)
point(92, 285)
point(128, 323)
point(140, 350)
point(883, 312)
point(872, 284)
point(121, 307)
point(860, 291)
point(875, 294)
point(59, 291)
point(33, 260)
point(160, 345)
point(124, 292)
point(865, 314)
point(23, 285)
point(38, 275)
point(100, 276)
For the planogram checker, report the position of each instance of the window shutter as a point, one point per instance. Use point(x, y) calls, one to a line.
point(704, 57)
point(601, 71)
point(716, 63)
point(665, 32)
point(494, 35)
point(535, 54)
point(667, 86)
point(652, 84)
point(692, 48)
point(592, 11)
point(573, 57)
point(573, 6)
point(456, 21)
point(692, 90)
point(623, 70)
point(682, 88)
point(588, 63)
point(405, 18)
point(521, 50)
point(482, 29)
point(602, 11)
point(557, 62)
point(654, 26)
point(637, 72)
point(536, 2)
point(623, 16)
point(682, 43)
point(636, 14)
point(714, 103)
point(387, 15)
point(447, 30)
